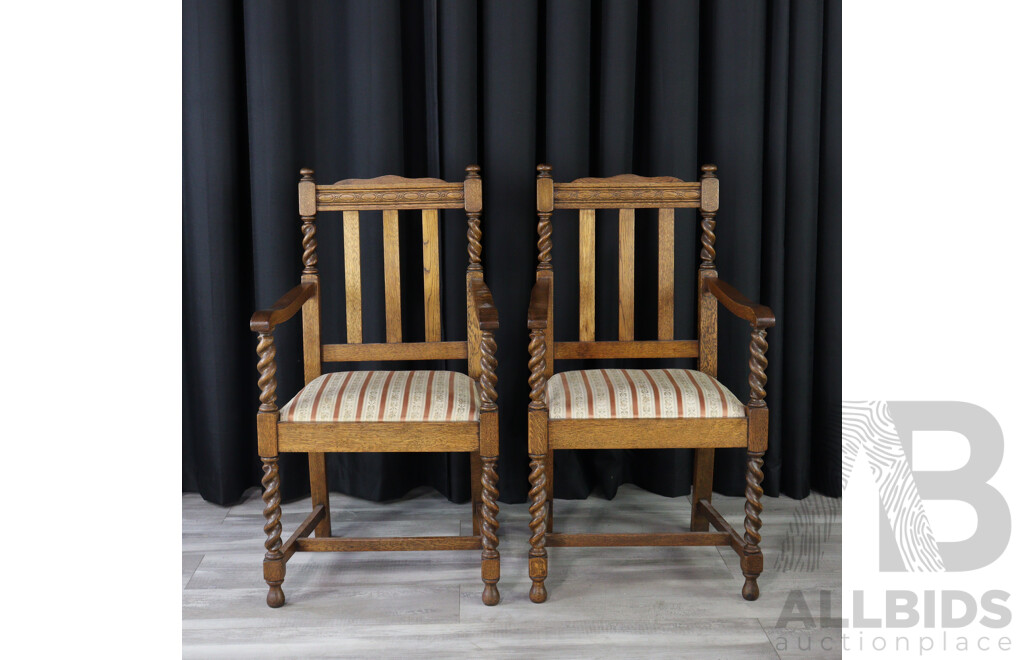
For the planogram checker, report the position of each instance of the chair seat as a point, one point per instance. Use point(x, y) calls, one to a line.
point(386, 396)
point(639, 393)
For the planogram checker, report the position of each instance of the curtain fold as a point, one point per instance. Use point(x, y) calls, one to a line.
point(595, 88)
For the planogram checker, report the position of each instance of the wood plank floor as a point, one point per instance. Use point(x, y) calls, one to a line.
point(604, 602)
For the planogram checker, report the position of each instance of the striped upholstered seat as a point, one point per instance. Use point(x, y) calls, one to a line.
point(639, 393)
point(386, 396)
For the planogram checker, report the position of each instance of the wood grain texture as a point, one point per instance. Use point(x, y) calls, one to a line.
point(312, 364)
point(320, 492)
point(392, 278)
point(627, 540)
point(626, 272)
point(440, 350)
point(489, 556)
point(389, 193)
point(703, 479)
point(758, 315)
point(646, 433)
point(623, 602)
point(353, 279)
point(265, 320)
point(666, 273)
point(311, 522)
point(627, 191)
point(431, 276)
point(377, 436)
point(607, 350)
point(479, 438)
point(538, 526)
point(392, 544)
point(707, 325)
point(473, 331)
point(586, 265)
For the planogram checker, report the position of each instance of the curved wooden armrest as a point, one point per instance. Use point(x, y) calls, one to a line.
point(291, 302)
point(757, 315)
point(540, 296)
point(486, 312)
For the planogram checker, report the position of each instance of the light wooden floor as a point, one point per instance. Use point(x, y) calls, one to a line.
point(603, 602)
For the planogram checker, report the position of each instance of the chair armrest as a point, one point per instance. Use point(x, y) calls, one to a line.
point(483, 303)
point(540, 298)
point(291, 302)
point(757, 315)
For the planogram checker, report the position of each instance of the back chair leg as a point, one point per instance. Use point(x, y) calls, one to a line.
point(490, 562)
point(549, 477)
point(538, 526)
point(273, 562)
point(318, 490)
point(703, 475)
point(476, 490)
point(752, 561)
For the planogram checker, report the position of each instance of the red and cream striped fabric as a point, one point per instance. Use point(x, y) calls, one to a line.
point(386, 396)
point(639, 393)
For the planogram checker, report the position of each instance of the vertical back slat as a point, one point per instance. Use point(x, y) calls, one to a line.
point(353, 281)
point(626, 222)
point(392, 278)
point(666, 273)
point(431, 276)
point(586, 274)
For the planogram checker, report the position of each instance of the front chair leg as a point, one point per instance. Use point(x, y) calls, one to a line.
point(273, 562)
point(490, 562)
point(752, 561)
point(538, 525)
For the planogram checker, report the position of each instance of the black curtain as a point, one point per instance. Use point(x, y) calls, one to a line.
point(595, 88)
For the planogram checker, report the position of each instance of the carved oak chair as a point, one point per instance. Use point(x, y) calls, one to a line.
point(382, 411)
point(642, 408)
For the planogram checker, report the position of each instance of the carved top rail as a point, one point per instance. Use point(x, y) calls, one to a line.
point(395, 193)
point(627, 191)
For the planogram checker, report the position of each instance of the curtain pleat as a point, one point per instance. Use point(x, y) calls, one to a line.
point(595, 88)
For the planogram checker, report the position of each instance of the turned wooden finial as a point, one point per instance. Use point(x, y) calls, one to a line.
point(708, 170)
point(544, 171)
point(472, 171)
point(306, 173)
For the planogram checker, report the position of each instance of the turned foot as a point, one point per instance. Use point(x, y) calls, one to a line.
point(275, 597)
point(750, 590)
point(491, 595)
point(538, 592)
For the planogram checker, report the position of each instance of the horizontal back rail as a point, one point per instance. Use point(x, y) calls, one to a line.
point(390, 193)
point(627, 191)
point(610, 350)
point(417, 350)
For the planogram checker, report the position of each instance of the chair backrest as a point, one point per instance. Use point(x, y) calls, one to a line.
point(628, 192)
point(388, 194)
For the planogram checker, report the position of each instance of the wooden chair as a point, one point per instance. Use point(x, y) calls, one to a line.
point(382, 411)
point(649, 408)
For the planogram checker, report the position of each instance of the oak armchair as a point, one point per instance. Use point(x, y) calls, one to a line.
point(642, 408)
point(382, 411)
